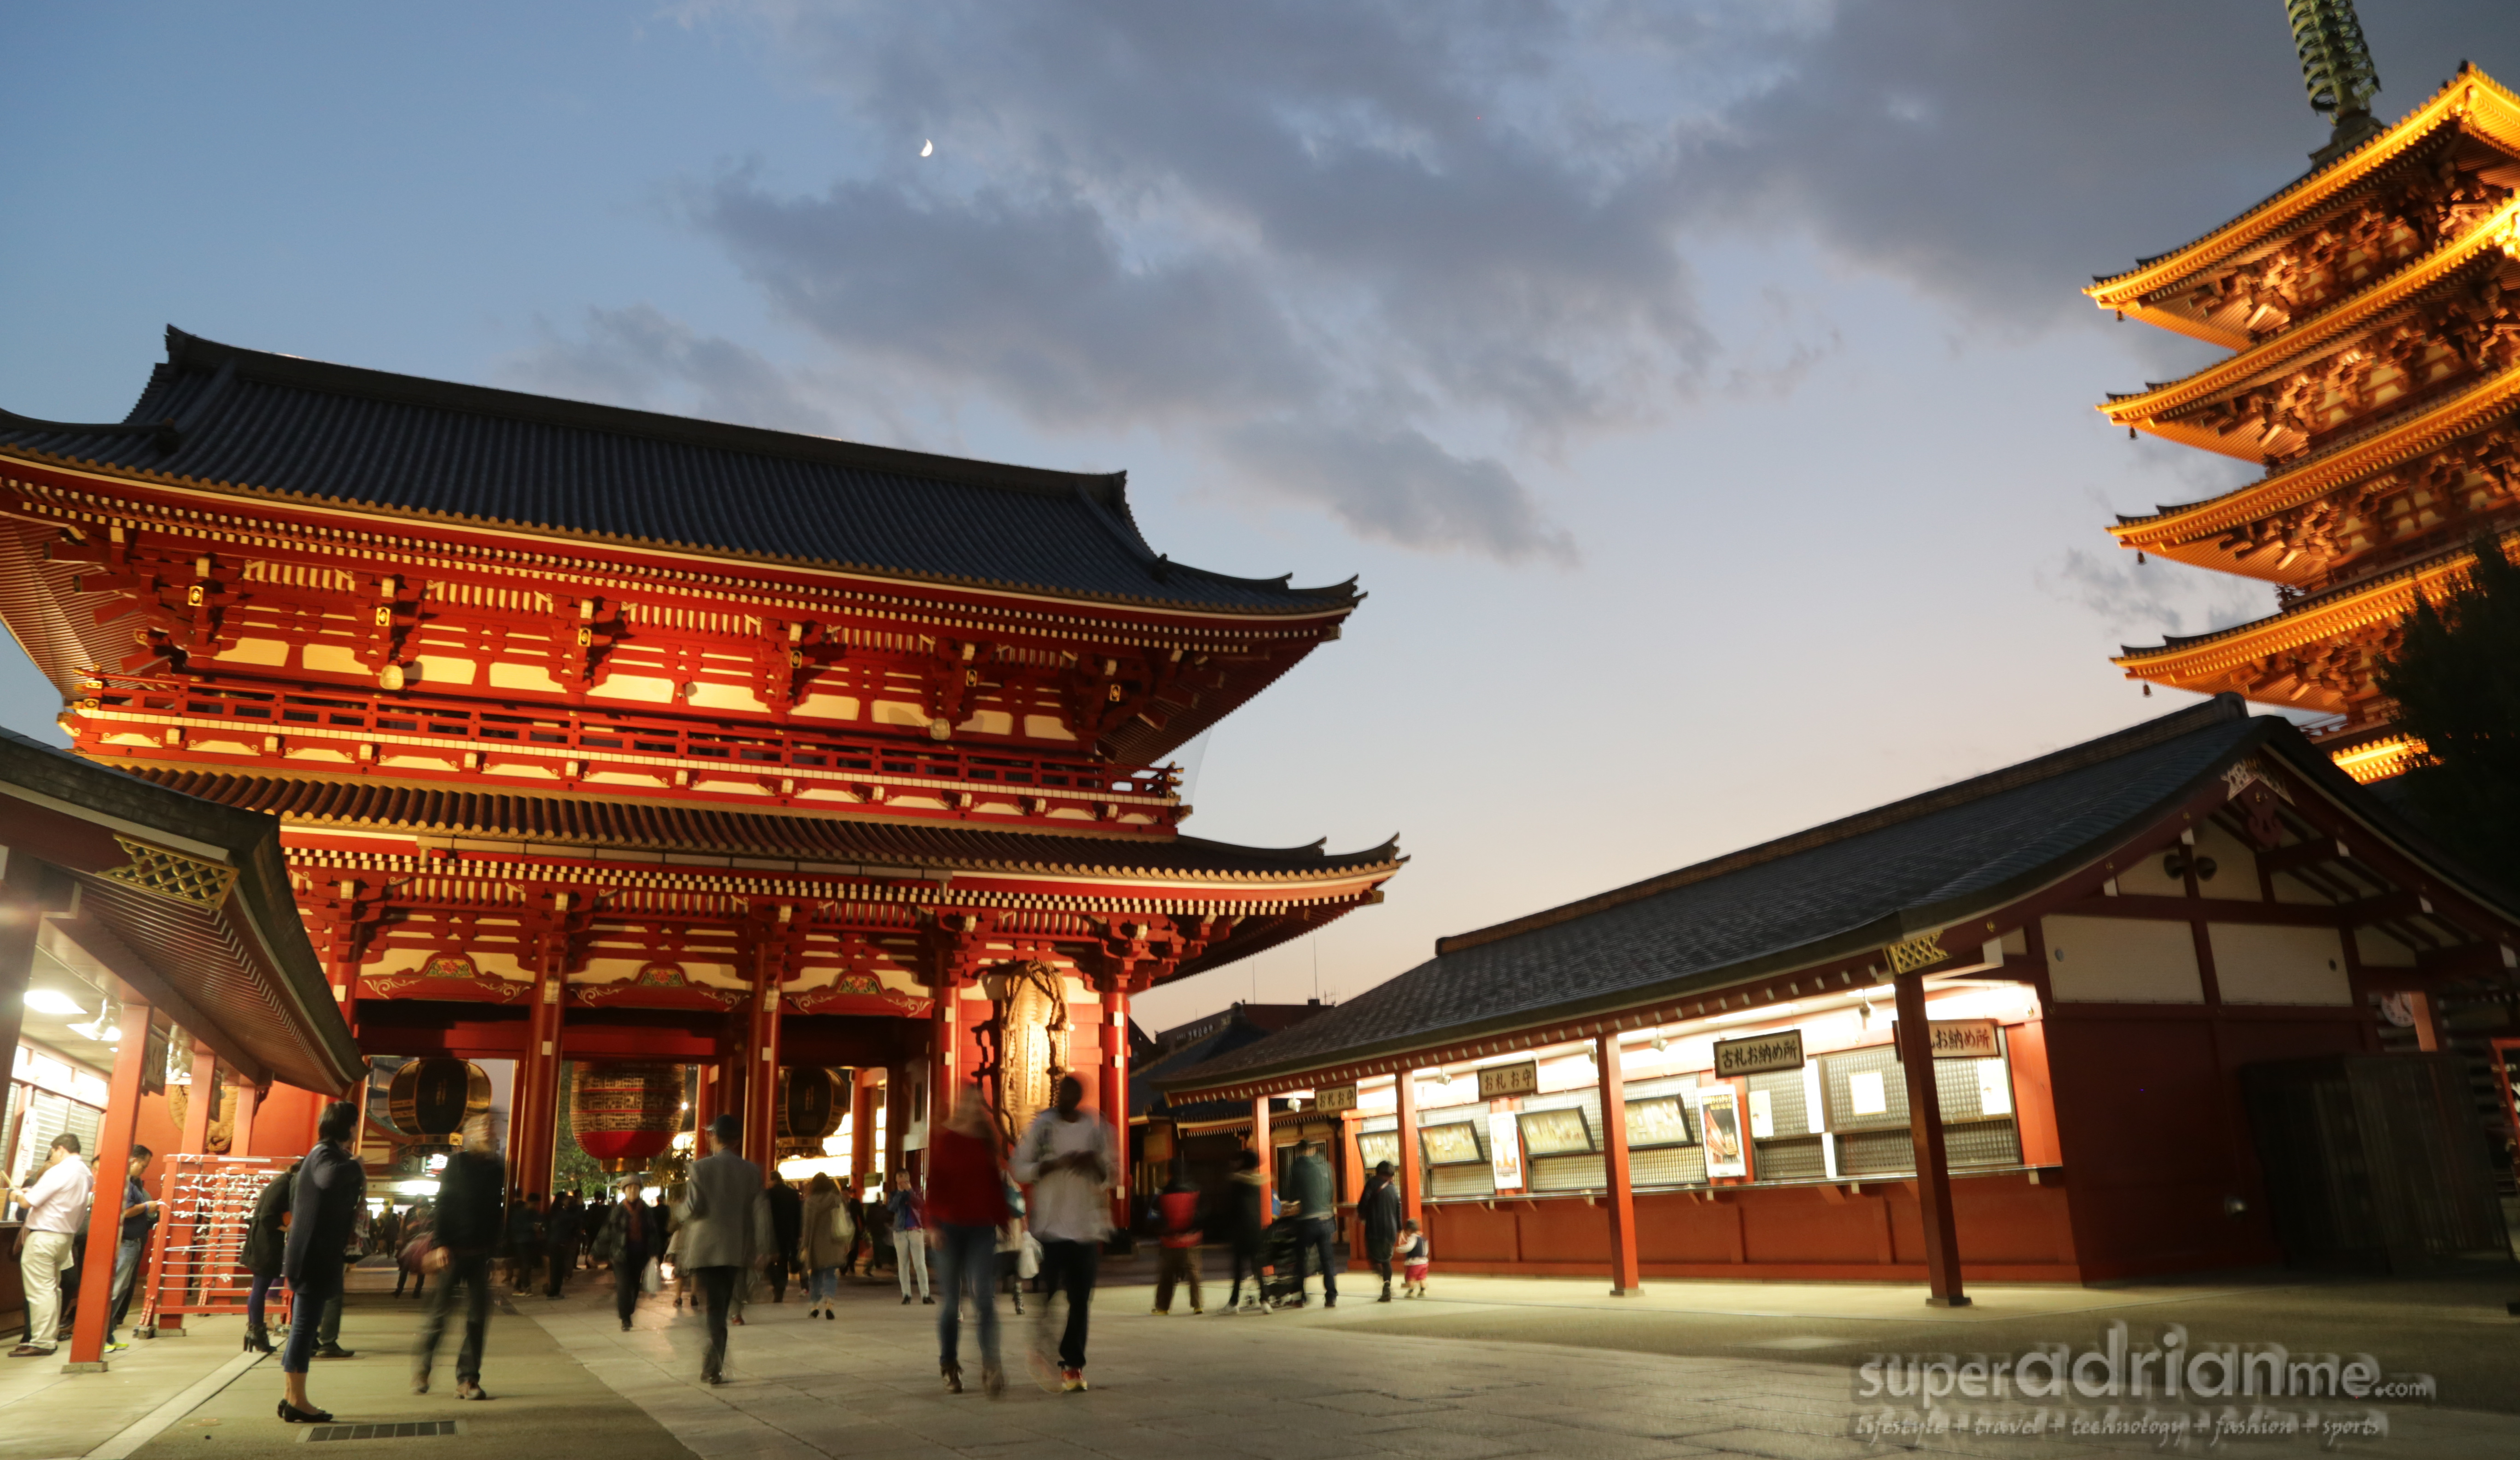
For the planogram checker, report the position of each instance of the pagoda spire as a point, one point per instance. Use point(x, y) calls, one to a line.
point(2336, 69)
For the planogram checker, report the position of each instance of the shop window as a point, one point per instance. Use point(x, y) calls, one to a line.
point(1574, 1173)
point(1667, 1166)
point(1799, 1159)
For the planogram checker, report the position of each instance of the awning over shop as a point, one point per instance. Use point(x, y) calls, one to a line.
point(165, 901)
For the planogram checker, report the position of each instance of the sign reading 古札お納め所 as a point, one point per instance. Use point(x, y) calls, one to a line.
point(1759, 1053)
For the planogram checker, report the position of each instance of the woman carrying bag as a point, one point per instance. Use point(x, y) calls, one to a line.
point(829, 1234)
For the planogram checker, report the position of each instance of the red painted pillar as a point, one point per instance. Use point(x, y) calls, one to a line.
point(761, 1065)
point(105, 1213)
point(1268, 1154)
point(1625, 1275)
point(202, 1094)
point(534, 1120)
point(1115, 1097)
point(249, 1099)
point(861, 1123)
point(1925, 1129)
point(896, 1121)
point(1411, 1194)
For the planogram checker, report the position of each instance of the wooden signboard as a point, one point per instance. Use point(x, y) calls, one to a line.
point(1497, 1081)
point(1330, 1099)
point(1960, 1038)
point(1759, 1054)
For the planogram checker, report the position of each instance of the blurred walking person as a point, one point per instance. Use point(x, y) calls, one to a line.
point(966, 1201)
point(786, 1233)
point(1245, 1222)
point(323, 1207)
point(465, 1238)
point(1177, 1211)
point(561, 1242)
point(825, 1235)
point(1377, 1207)
point(1065, 1155)
point(909, 1241)
point(725, 1232)
point(628, 1241)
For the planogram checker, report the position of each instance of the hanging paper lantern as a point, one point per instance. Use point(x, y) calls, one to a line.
point(624, 1115)
point(434, 1097)
point(810, 1106)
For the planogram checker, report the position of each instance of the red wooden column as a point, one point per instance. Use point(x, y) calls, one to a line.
point(204, 1093)
point(1625, 1275)
point(1925, 1129)
point(1412, 1198)
point(105, 1213)
point(1115, 1096)
point(861, 1122)
point(534, 1119)
point(1268, 1157)
point(896, 1121)
point(761, 1069)
point(241, 1136)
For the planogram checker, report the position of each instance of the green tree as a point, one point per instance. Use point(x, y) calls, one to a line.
point(2455, 678)
point(572, 1169)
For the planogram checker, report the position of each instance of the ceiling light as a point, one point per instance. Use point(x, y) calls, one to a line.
point(1773, 1011)
point(52, 1001)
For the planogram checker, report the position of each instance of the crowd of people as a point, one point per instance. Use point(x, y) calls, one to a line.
point(988, 1218)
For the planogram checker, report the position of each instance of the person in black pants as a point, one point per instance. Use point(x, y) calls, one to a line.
point(324, 1204)
point(470, 1223)
point(786, 1229)
point(562, 1242)
point(630, 1236)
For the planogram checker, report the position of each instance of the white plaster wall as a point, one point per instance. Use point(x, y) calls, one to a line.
point(2122, 961)
point(2257, 962)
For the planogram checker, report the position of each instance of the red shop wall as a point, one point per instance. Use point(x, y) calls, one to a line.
point(2156, 1138)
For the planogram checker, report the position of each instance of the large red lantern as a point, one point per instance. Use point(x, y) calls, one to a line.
point(625, 1115)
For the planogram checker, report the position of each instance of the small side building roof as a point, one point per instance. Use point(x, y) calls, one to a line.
point(187, 904)
point(1926, 863)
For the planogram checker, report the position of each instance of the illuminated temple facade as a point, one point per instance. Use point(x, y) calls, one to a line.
point(2372, 311)
point(599, 735)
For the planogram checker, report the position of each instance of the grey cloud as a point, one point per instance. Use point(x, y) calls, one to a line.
point(637, 356)
point(1400, 487)
point(2141, 603)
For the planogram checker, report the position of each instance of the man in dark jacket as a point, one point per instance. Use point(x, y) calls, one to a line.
point(469, 1227)
point(1377, 1207)
point(561, 1233)
point(325, 1205)
point(266, 1241)
point(525, 1240)
point(786, 1229)
point(139, 1219)
point(1310, 1187)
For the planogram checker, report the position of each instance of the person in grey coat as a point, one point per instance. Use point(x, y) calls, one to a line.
point(727, 1232)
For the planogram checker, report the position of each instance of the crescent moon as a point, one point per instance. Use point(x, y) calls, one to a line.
point(927, 149)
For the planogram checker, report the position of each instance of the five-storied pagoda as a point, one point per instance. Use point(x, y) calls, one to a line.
point(600, 735)
point(2374, 311)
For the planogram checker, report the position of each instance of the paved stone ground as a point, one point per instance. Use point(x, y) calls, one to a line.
point(1300, 1385)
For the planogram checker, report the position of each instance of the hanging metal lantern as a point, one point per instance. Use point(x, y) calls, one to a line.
point(810, 1106)
point(623, 1116)
point(435, 1096)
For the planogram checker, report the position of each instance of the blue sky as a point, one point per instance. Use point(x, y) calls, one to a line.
point(1701, 390)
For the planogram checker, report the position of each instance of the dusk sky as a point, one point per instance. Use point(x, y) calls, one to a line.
point(1702, 391)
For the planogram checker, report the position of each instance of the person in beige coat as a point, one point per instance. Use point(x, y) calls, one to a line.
point(827, 1239)
point(725, 1232)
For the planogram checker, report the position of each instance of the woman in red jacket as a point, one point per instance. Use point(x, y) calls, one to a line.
point(967, 1202)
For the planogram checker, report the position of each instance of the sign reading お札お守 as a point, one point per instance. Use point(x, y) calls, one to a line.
point(1329, 1098)
point(1499, 1080)
point(1759, 1054)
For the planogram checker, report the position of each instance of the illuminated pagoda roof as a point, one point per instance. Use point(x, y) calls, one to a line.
point(279, 428)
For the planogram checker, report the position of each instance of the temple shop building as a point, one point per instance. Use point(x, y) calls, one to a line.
point(2086, 1018)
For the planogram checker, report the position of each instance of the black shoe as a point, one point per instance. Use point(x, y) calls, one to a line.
point(471, 1391)
point(333, 1350)
point(292, 1414)
point(712, 1379)
point(1331, 1301)
point(930, 1302)
point(257, 1339)
point(905, 1299)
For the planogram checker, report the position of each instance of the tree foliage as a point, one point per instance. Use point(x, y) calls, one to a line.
point(2455, 678)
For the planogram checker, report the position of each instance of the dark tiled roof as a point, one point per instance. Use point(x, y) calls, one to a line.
point(1869, 880)
point(278, 425)
point(659, 826)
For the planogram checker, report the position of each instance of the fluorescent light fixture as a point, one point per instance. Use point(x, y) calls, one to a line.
point(52, 1001)
point(1744, 1015)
